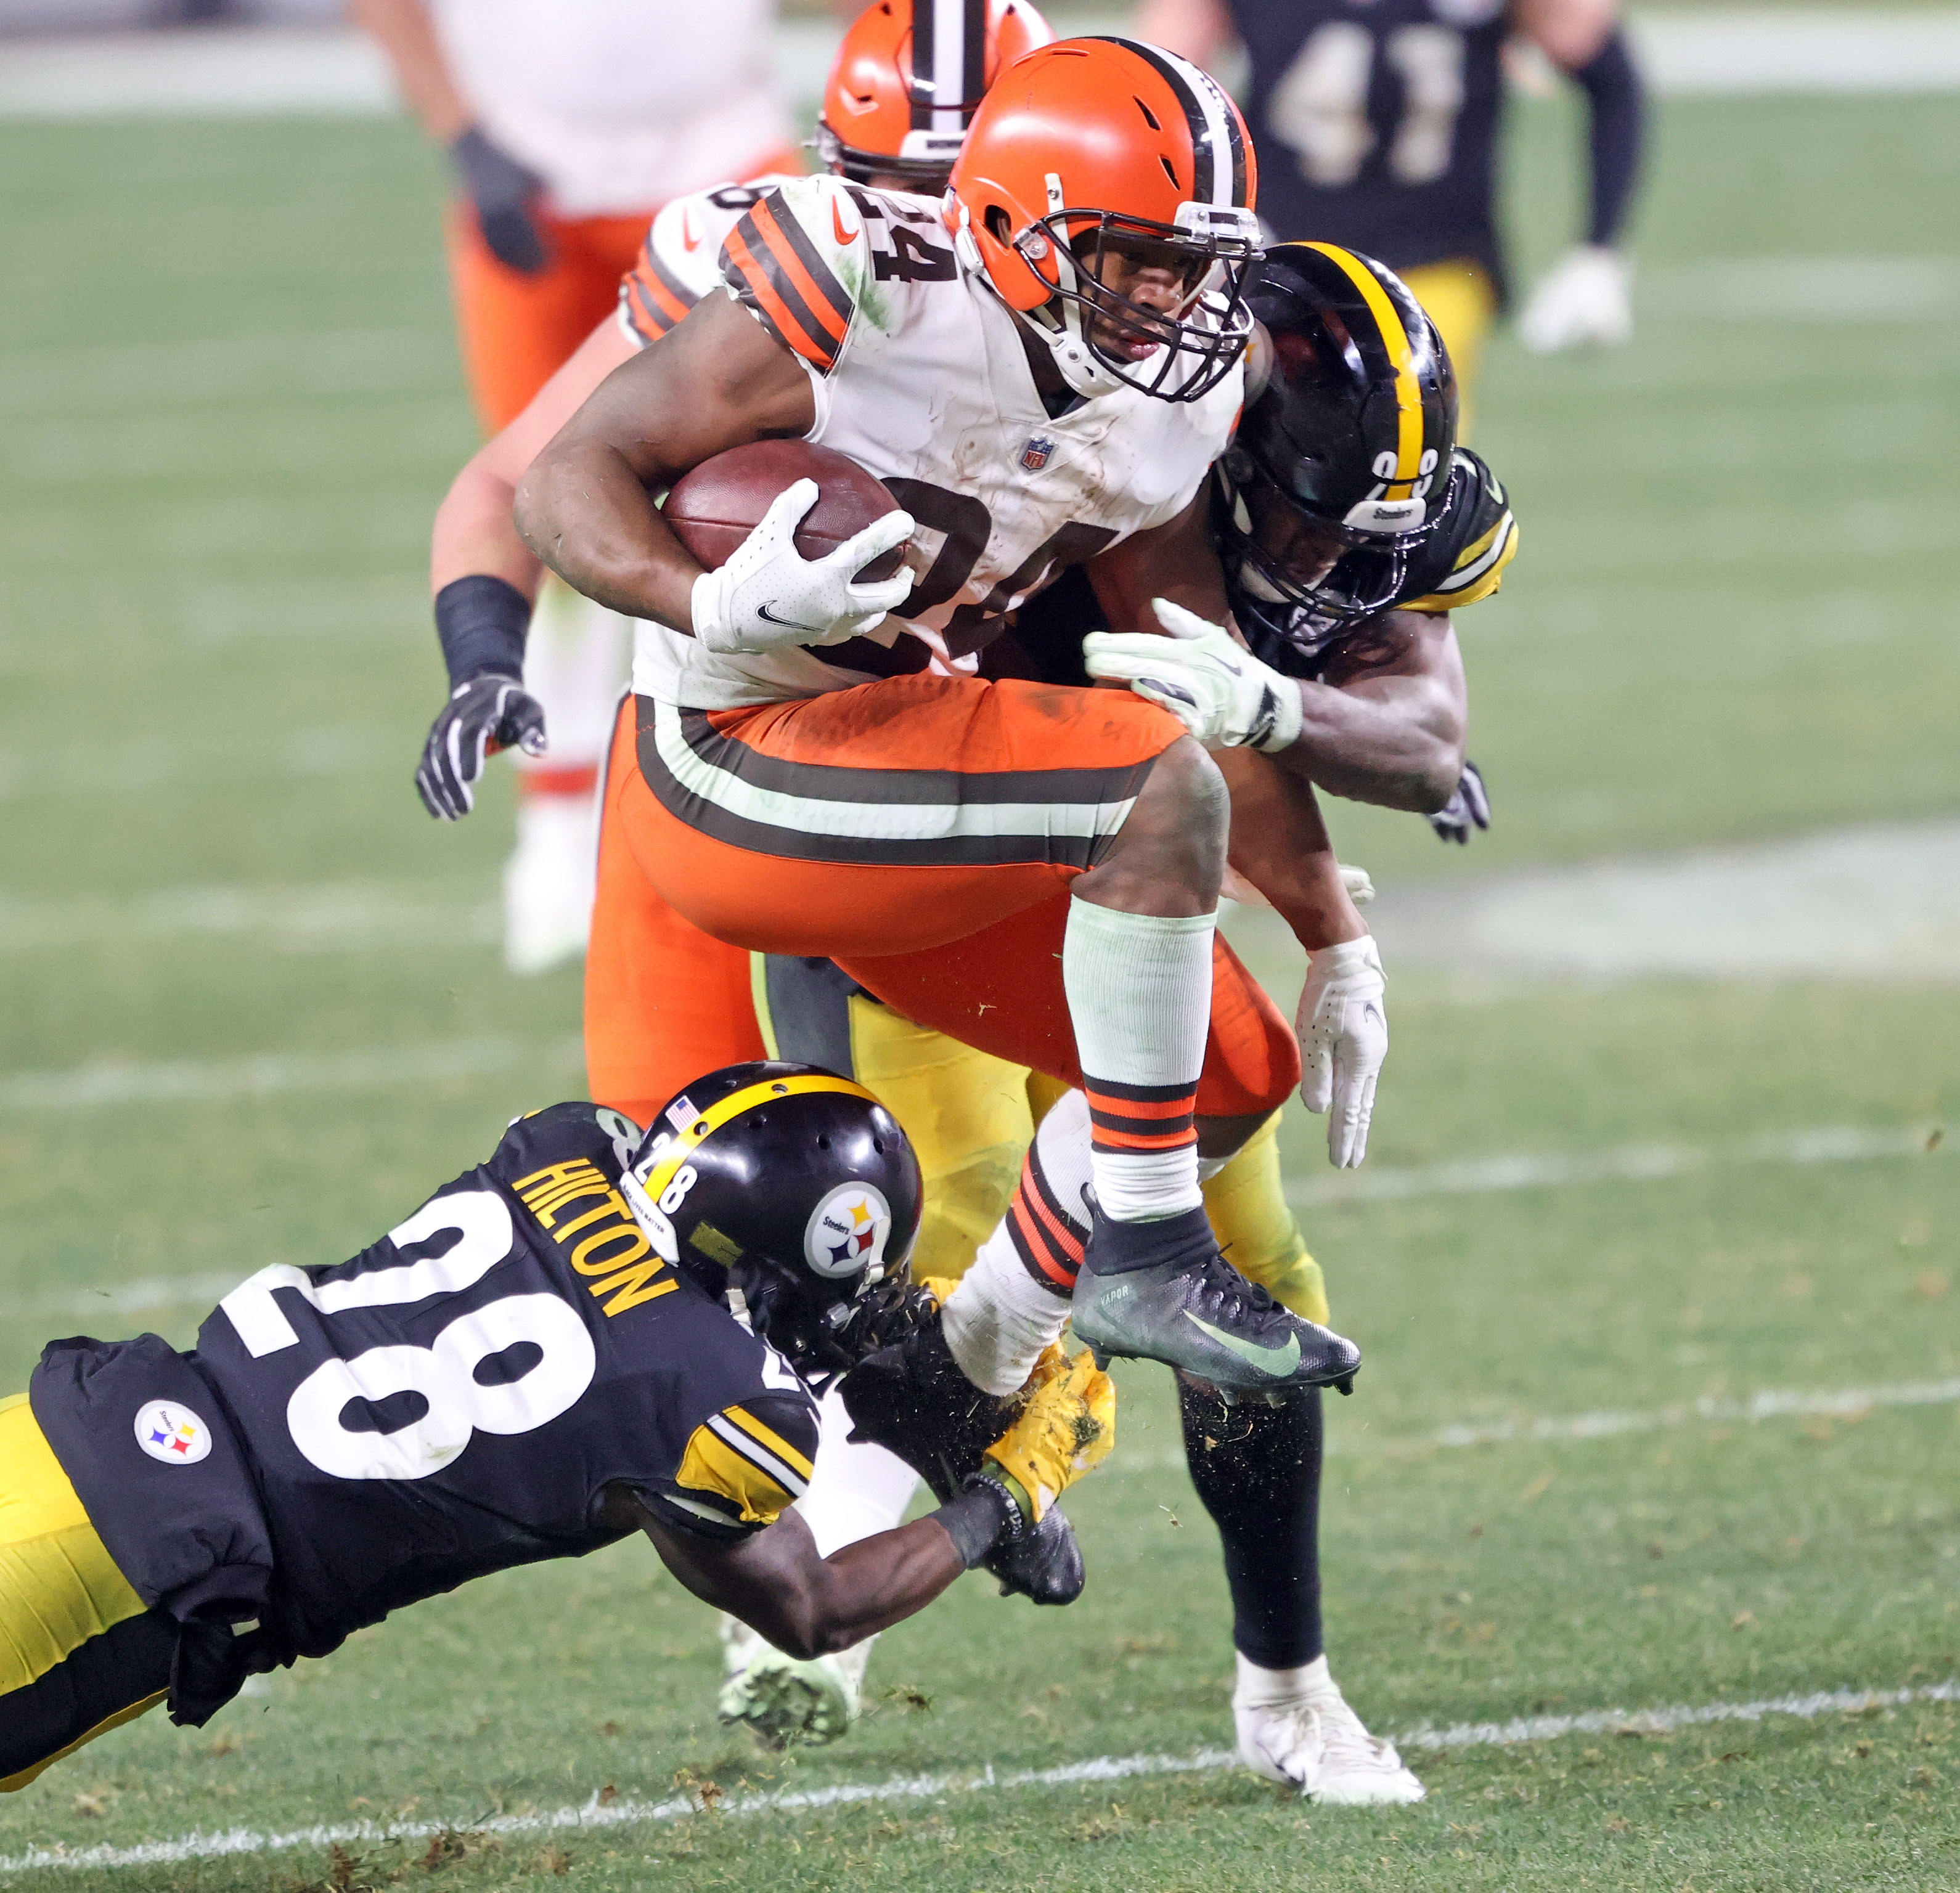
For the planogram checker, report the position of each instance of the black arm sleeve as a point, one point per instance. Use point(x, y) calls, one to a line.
point(1618, 101)
point(481, 623)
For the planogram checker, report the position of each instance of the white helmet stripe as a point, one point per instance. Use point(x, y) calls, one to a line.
point(949, 61)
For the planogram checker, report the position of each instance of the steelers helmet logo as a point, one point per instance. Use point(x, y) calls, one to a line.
point(171, 1433)
point(847, 1231)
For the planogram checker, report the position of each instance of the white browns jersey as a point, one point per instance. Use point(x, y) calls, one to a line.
point(620, 105)
point(920, 376)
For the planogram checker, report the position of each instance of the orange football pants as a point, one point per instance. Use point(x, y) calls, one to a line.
point(515, 331)
point(664, 1002)
point(947, 915)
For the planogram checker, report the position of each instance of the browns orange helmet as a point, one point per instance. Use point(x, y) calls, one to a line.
point(907, 79)
point(1094, 157)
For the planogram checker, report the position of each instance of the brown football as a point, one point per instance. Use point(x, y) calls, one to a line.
point(714, 508)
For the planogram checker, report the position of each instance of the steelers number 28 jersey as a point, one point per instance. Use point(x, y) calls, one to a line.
point(456, 1399)
point(1460, 561)
point(919, 376)
point(1377, 125)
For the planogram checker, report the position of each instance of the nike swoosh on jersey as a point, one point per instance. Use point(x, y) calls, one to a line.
point(688, 241)
point(1277, 1361)
point(837, 225)
point(788, 624)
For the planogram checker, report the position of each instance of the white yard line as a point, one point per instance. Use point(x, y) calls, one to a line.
point(351, 916)
point(1605, 1423)
point(1624, 1163)
point(592, 1816)
point(119, 1082)
point(1771, 1404)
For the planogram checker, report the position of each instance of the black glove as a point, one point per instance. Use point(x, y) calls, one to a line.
point(1464, 812)
point(487, 713)
point(503, 191)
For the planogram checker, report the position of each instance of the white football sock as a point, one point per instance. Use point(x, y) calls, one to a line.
point(1258, 1687)
point(1014, 1300)
point(575, 661)
point(1139, 988)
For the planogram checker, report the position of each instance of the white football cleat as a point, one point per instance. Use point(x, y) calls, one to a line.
point(1295, 1727)
point(781, 1700)
point(548, 882)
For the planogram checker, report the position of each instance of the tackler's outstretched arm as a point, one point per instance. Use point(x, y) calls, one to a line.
point(807, 1605)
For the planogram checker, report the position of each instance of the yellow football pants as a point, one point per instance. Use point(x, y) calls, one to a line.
point(1461, 301)
point(79, 1651)
point(971, 1117)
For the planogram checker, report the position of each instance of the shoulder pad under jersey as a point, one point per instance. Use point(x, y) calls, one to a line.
point(680, 261)
point(1476, 538)
point(816, 257)
point(562, 1134)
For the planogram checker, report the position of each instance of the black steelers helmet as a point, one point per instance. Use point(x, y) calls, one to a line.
point(1350, 423)
point(796, 1185)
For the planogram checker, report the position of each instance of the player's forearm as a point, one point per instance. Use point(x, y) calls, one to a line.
point(876, 1583)
point(1280, 843)
point(1396, 743)
point(581, 509)
point(405, 33)
point(474, 533)
point(808, 1605)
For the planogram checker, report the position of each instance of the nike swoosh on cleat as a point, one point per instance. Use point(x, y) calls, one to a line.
point(1277, 1361)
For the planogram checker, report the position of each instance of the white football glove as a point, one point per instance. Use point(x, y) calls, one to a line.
point(1343, 1027)
point(1586, 297)
point(768, 594)
point(1204, 677)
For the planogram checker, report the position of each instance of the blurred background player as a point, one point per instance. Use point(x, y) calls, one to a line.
point(1376, 123)
point(570, 122)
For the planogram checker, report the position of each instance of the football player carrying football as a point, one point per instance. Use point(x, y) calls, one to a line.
point(597, 1331)
point(1032, 869)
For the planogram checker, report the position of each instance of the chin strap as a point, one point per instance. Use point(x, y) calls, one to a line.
point(1079, 365)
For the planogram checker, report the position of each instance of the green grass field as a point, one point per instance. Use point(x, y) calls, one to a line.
point(230, 406)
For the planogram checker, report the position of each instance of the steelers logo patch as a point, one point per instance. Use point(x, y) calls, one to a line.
point(847, 1231)
point(172, 1433)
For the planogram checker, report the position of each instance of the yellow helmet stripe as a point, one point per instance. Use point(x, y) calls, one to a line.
point(1394, 338)
point(733, 1106)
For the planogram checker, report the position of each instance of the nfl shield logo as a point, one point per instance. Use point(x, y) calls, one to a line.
point(1034, 455)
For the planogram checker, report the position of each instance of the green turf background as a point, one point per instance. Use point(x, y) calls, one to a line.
point(230, 404)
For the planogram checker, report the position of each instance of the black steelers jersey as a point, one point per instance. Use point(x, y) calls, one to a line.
point(1375, 123)
point(1461, 560)
point(454, 1400)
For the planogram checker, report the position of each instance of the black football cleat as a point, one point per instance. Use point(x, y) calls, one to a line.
point(1164, 1292)
point(910, 1398)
